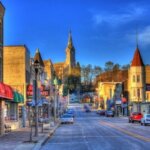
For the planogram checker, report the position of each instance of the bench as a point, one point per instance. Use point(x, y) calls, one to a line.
point(7, 128)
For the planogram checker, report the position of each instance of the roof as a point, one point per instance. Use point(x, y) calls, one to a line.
point(38, 58)
point(137, 59)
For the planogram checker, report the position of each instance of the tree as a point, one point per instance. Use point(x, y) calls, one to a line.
point(97, 70)
point(116, 67)
point(109, 66)
point(126, 67)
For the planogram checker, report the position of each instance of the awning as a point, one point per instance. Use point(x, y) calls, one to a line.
point(6, 91)
point(18, 98)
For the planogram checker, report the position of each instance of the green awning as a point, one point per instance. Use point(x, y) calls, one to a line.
point(18, 98)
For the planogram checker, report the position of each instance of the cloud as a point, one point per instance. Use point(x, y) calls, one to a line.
point(127, 15)
point(143, 36)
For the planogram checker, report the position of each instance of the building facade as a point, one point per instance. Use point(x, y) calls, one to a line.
point(16, 73)
point(134, 94)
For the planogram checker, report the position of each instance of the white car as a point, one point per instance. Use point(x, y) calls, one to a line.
point(145, 120)
point(67, 118)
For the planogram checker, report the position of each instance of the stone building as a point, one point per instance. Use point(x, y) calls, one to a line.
point(16, 73)
point(69, 66)
point(69, 69)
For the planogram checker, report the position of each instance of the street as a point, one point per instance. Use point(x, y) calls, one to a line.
point(93, 132)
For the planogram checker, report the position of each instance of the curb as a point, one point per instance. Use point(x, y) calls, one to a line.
point(45, 138)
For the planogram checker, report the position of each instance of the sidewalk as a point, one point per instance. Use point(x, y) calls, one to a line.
point(18, 139)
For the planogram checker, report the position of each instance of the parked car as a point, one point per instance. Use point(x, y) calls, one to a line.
point(70, 113)
point(145, 120)
point(102, 113)
point(87, 110)
point(98, 111)
point(109, 113)
point(67, 118)
point(135, 116)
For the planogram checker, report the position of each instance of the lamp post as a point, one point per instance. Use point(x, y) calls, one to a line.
point(36, 68)
point(57, 82)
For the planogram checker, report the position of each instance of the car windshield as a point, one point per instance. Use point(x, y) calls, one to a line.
point(66, 116)
point(148, 116)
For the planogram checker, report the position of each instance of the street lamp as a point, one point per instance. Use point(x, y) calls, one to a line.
point(56, 82)
point(37, 66)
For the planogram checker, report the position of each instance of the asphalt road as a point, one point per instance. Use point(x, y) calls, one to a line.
point(93, 132)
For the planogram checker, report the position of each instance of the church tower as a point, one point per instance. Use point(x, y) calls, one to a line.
point(70, 53)
point(137, 81)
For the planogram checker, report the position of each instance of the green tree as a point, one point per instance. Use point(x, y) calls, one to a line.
point(109, 66)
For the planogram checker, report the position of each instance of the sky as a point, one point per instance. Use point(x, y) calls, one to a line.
point(101, 30)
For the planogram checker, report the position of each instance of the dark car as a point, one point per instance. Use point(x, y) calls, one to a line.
point(102, 113)
point(109, 113)
point(135, 116)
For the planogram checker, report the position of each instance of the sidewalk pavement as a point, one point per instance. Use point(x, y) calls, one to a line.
point(18, 139)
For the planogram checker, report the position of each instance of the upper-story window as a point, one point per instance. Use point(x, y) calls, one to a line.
point(133, 78)
point(138, 78)
point(134, 92)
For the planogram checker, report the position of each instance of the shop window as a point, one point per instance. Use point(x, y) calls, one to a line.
point(138, 78)
point(10, 112)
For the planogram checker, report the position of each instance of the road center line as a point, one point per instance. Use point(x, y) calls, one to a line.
point(126, 132)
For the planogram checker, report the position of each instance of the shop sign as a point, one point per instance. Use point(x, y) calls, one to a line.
point(147, 87)
point(43, 91)
point(118, 102)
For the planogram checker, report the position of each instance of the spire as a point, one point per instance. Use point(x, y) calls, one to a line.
point(137, 37)
point(137, 59)
point(70, 39)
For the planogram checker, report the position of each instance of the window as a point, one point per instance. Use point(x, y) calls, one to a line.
point(10, 112)
point(110, 92)
point(147, 96)
point(138, 78)
point(133, 92)
point(133, 78)
point(138, 93)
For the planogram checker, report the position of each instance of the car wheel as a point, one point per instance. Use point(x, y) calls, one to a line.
point(129, 121)
point(145, 124)
point(132, 121)
point(141, 123)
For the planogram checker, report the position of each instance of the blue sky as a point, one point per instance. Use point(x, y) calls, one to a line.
point(102, 30)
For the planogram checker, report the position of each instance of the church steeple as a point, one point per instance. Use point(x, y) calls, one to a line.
point(70, 43)
point(70, 52)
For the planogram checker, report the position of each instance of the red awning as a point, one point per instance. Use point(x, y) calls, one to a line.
point(6, 91)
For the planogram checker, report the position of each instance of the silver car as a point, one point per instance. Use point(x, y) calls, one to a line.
point(67, 118)
point(145, 120)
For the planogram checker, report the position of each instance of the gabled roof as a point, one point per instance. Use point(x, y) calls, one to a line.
point(137, 59)
point(38, 58)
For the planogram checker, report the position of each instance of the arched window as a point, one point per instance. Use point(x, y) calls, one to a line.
point(138, 78)
point(133, 78)
point(134, 92)
point(138, 93)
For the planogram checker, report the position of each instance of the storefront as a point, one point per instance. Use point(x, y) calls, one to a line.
point(13, 112)
point(9, 110)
